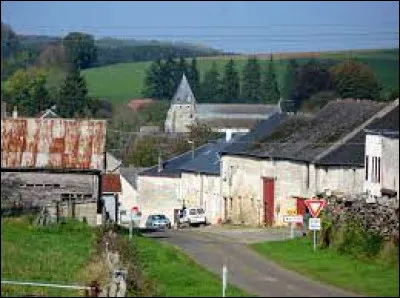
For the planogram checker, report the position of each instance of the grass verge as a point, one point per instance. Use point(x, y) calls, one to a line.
point(54, 254)
point(177, 275)
point(367, 278)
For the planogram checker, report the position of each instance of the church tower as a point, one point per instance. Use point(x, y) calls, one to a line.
point(182, 112)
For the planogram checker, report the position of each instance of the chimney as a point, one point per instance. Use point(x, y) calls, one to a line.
point(15, 112)
point(160, 163)
point(228, 135)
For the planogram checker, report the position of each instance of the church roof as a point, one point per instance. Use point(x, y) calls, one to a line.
point(246, 111)
point(183, 94)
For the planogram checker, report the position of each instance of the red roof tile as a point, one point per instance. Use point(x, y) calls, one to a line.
point(110, 183)
point(140, 103)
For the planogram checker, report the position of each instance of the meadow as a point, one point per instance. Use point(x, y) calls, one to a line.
point(120, 83)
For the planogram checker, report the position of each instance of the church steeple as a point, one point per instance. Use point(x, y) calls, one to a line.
point(184, 94)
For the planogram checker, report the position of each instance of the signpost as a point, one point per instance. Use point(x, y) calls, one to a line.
point(292, 219)
point(315, 207)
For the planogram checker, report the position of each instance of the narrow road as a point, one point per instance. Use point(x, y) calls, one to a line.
point(247, 270)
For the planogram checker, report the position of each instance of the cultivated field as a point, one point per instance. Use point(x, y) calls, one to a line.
point(121, 82)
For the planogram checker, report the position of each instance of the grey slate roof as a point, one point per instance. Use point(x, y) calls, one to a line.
point(235, 110)
point(352, 152)
point(206, 161)
point(260, 131)
point(303, 138)
point(184, 94)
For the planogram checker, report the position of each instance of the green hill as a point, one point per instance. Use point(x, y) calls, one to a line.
point(121, 82)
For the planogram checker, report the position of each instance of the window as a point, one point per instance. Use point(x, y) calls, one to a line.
point(373, 170)
point(379, 170)
point(366, 167)
point(192, 212)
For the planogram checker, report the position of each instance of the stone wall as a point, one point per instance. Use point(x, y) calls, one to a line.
point(381, 216)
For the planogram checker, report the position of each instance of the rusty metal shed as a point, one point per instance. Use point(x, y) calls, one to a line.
point(53, 143)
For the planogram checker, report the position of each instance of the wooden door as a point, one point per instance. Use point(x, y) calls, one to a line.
point(268, 194)
point(301, 208)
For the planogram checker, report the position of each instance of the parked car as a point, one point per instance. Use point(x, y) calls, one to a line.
point(193, 216)
point(158, 221)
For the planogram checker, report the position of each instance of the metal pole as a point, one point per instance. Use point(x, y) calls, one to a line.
point(315, 240)
point(36, 284)
point(130, 227)
point(291, 230)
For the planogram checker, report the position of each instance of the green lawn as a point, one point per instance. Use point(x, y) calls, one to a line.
point(177, 275)
point(367, 278)
point(121, 82)
point(50, 255)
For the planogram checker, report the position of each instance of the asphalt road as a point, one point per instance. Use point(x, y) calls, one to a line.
point(247, 270)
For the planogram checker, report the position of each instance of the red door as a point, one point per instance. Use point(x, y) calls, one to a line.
point(269, 201)
point(301, 208)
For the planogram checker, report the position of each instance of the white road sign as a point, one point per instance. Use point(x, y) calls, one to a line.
point(293, 218)
point(314, 224)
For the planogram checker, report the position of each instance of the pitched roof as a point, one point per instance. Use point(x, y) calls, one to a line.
point(131, 174)
point(172, 167)
point(237, 110)
point(49, 113)
point(53, 143)
point(110, 183)
point(183, 94)
point(218, 123)
point(260, 131)
point(140, 103)
point(206, 160)
point(303, 138)
point(352, 152)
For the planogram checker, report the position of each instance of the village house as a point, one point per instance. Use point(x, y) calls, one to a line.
point(300, 158)
point(53, 161)
point(381, 164)
point(191, 179)
point(223, 118)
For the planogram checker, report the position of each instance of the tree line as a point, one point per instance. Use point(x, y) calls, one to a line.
point(309, 84)
point(256, 85)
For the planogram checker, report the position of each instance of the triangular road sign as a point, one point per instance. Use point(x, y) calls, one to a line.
point(315, 206)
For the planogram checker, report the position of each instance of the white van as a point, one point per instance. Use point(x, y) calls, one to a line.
point(193, 216)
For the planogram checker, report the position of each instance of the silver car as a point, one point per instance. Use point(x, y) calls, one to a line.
point(158, 221)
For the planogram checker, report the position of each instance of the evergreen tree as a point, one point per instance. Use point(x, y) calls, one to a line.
point(169, 78)
point(230, 88)
point(193, 77)
point(211, 86)
point(153, 81)
point(73, 100)
point(251, 88)
point(182, 67)
point(270, 90)
point(289, 85)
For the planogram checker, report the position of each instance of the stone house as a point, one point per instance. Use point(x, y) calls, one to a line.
point(190, 179)
point(53, 161)
point(381, 164)
point(273, 173)
point(224, 118)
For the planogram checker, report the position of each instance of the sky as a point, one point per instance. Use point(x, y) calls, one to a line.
point(238, 26)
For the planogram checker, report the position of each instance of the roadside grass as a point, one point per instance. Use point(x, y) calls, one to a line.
point(176, 274)
point(119, 83)
point(54, 254)
point(366, 277)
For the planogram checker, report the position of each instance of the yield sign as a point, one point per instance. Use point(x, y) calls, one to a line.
point(315, 206)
